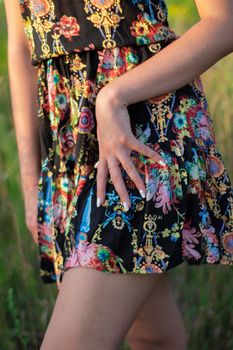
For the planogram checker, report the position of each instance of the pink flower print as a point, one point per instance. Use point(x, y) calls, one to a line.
point(210, 234)
point(190, 239)
point(163, 198)
point(92, 255)
point(68, 27)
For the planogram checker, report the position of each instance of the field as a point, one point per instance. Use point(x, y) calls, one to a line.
point(204, 293)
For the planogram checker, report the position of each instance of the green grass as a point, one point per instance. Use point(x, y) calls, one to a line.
point(204, 293)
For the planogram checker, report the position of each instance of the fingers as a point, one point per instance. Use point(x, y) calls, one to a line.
point(132, 172)
point(136, 145)
point(101, 178)
point(117, 180)
point(122, 155)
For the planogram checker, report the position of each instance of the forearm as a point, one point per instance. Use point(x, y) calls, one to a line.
point(177, 64)
point(23, 86)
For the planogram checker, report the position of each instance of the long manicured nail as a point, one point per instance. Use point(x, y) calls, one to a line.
point(98, 202)
point(96, 164)
point(142, 193)
point(161, 162)
point(126, 207)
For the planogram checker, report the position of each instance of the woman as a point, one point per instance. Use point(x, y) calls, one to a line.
point(120, 171)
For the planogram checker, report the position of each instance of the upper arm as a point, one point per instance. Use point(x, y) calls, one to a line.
point(220, 13)
point(215, 8)
point(15, 27)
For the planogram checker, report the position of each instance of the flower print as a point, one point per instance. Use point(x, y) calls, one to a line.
point(215, 166)
point(61, 101)
point(190, 239)
point(211, 243)
point(68, 27)
point(163, 198)
point(68, 85)
point(45, 239)
point(166, 233)
point(86, 121)
point(59, 260)
point(103, 254)
point(227, 242)
point(175, 232)
point(89, 254)
point(180, 121)
point(88, 89)
point(67, 140)
point(40, 7)
point(139, 28)
point(56, 77)
point(193, 170)
point(149, 30)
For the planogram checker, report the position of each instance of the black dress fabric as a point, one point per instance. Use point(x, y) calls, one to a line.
point(78, 47)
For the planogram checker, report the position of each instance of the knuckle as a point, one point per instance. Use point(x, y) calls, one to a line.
point(141, 145)
point(128, 168)
point(123, 139)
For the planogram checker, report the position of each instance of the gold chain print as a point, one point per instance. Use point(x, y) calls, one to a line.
point(42, 13)
point(104, 16)
point(161, 113)
point(44, 21)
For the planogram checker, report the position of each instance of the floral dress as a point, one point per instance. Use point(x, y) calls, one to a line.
point(79, 46)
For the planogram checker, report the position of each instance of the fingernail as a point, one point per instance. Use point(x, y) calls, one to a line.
point(96, 164)
point(142, 193)
point(98, 202)
point(126, 207)
point(161, 162)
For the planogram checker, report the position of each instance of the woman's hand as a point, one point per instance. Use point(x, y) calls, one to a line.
point(30, 203)
point(116, 142)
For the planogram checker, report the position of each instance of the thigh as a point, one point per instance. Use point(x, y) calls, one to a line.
point(94, 310)
point(159, 321)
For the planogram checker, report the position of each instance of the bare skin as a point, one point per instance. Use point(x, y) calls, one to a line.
point(159, 324)
point(96, 311)
point(87, 313)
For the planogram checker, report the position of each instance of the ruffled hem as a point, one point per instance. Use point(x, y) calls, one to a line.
point(187, 216)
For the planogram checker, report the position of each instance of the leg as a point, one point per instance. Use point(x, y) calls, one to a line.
point(94, 310)
point(159, 324)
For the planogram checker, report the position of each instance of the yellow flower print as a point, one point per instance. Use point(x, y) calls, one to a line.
point(140, 28)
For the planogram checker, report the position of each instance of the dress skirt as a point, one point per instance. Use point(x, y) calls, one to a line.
point(188, 212)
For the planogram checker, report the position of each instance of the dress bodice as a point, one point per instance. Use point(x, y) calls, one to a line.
point(58, 27)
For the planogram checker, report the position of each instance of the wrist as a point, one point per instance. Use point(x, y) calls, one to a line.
point(112, 93)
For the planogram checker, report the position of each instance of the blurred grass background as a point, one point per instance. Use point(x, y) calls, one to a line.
point(204, 293)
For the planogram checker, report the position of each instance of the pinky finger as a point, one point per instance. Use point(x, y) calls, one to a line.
point(101, 179)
